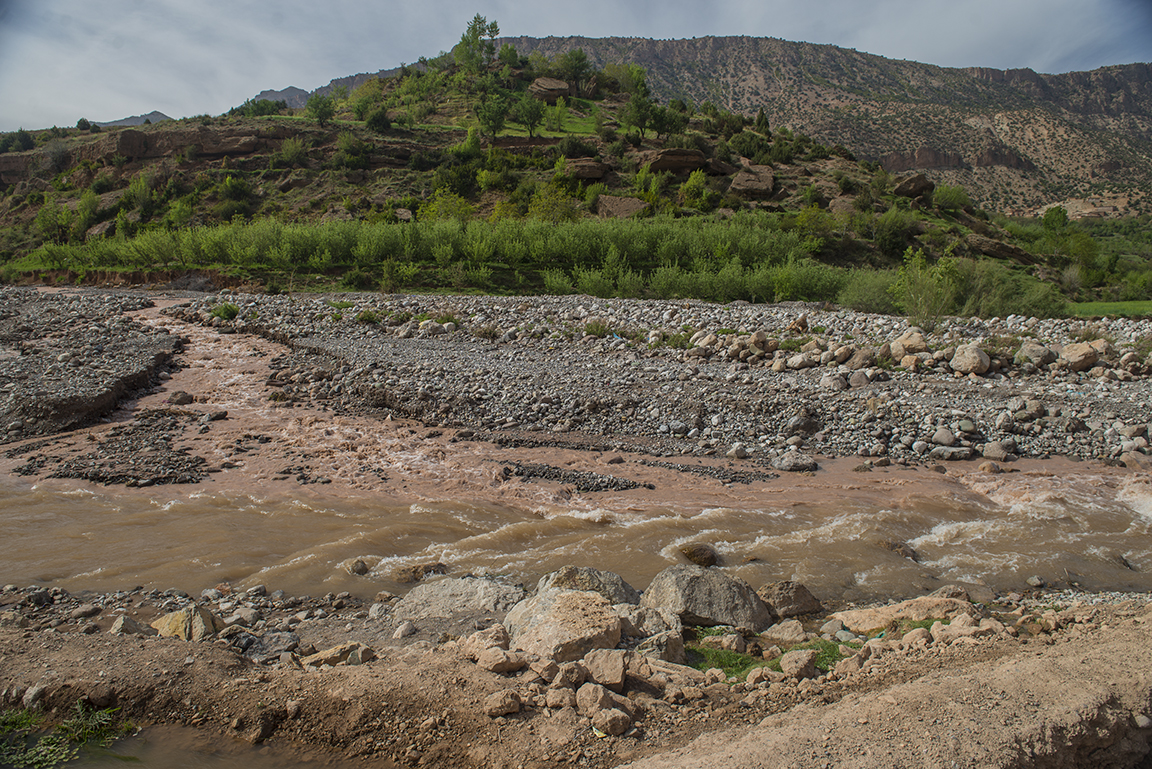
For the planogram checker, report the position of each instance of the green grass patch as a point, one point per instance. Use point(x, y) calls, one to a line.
point(226, 311)
point(1100, 309)
point(21, 746)
point(732, 663)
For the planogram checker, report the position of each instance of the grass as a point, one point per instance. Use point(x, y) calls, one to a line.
point(736, 664)
point(21, 746)
point(1100, 309)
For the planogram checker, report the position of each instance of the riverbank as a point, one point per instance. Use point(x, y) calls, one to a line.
point(514, 444)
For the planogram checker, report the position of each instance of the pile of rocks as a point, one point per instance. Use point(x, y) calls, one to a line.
point(67, 359)
point(751, 381)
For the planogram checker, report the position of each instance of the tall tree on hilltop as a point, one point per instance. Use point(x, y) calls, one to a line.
point(477, 46)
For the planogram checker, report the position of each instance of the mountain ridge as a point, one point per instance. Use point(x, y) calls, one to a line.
point(1017, 139)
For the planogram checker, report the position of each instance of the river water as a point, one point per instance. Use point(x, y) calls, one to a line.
point(1089, 528)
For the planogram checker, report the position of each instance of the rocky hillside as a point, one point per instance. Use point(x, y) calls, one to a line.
point(1016, 139)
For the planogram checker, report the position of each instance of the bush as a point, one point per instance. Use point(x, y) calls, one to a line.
point(948, 198)
point(557, 283)
point(868, 291)
point(925, 292)
point(226, 311)
point(574, 147)
point(378, 121)
point(292, 152)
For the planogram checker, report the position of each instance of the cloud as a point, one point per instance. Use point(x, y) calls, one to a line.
point(65, 59)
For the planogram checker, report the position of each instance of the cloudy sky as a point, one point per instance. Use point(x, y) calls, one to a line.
point(65, 59)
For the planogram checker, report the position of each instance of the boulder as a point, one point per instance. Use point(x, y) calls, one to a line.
point(586, 168)
point(667, 646)
point(194, 623)
point(860, 359)
point(641, 622)
point(916, 610)
point(446, 598)
point(970, 359)
point(999, 250)
point(608, 667)
point(1079, 356)
point(502, 703)
point(799, 664)
point(615, 207)
point(564, 625)
point(495, 637)
point(790, 631)
point(612, 721)
point(700, 554)
point(915, 187)
point(674, 159)
point(549, 89)
point(128, 626)
point(795, 462)
point(702, 596)
point(789, 599)
point(753, 183)
point(910, 343)
point(1035, 353)
point(611, 586)
point(336, 654)
point(497, 660)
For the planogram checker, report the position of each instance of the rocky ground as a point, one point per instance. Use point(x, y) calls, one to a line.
point(767, 389)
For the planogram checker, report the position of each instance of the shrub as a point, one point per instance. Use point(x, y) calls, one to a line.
point(292, 152)
point(574, 147)
point(226, 311)
point(893, 228)
point(868, 291)
point(378, 121)
point(925, 292)
point(367, 317)
point(320, 108)
point(949, 198)
point(557, 283)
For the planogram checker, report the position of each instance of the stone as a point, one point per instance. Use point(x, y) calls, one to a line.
point(446, 598)
point(998, 451)
point(667, 646)
point(502, 703)
point(915, 186)
point(611, 586)
point(549, 89)
point(675, 159)
point(789, 599)
point(592, 698)
point(405, 629)
point(909, 343)
point(335, 655)
point(943, 437)
point(564, 625)
point(495, 637)
point(612, 721)
point(416, 572)
point(753, 183)
point(861, 359)
point(1035, 353)
point(569, 675)
point(608, 667)
point(615, 207)
point(497, 660)
point(970, 359)
point(194, 623)
point(799, 664)
point(915, 610)
point(1079, 356)
point(700, 554)
point(128, 626)
point(833, 382)
point(708, 597)
point(560, 698)
point(795, 462)
point(358, 567)
point(790, 631)
point(586, 168)
point(84, 611)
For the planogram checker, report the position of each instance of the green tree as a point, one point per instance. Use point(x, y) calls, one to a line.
point(1055, 219)
point(574, 65)
point(378, 121)
point(528, 112)
point(761, 124)
point(477, 46)
point(637, 113)
point(320, 108)
point(492, 114)
point(925, 292)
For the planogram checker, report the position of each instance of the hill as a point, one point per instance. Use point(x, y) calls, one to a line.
point(510, 172)
point(1017, 140)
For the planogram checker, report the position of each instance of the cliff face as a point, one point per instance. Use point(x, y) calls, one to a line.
point(1014, 138)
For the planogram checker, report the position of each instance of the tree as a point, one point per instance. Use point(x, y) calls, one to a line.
point(474, 52)
point(574, 65)
point(637, 113)
point(528, 112)
point(320, 108)
point(83, 124)
point(762, 123)
point(378, 121)
point(1055, 219)
point(492, 114)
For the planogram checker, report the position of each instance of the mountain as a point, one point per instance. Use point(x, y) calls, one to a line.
point(294, 97)
point(151, 117)
point(1015, 139)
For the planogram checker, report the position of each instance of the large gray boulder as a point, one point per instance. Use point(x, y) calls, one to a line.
point(707, 597)
point(446, 598)
point(564, 625)
point(970, 359)
point(611, 586)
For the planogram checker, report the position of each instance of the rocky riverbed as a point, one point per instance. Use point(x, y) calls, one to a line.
point(546, 402)
point(770, 384)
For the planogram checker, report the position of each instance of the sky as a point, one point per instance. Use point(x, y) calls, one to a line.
point(61, 60)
